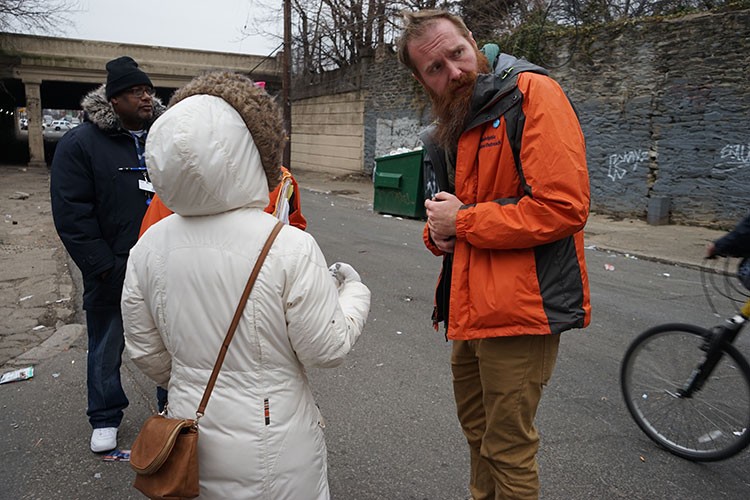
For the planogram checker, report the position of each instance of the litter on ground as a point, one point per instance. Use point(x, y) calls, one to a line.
point(17, 375)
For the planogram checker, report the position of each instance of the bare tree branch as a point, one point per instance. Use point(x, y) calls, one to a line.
point(37, 16)
point(329, 34)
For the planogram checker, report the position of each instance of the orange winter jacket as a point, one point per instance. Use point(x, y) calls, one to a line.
point(284, 205)
point(518, 264)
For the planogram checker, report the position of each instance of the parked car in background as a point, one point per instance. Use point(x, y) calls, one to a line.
point(59, 125)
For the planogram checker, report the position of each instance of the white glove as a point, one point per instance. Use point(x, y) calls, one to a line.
point(342, 272)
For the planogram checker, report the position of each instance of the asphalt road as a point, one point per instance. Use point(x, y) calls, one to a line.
point(392, 431)
point(391, 427)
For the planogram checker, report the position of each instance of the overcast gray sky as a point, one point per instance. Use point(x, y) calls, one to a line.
point(194, 24)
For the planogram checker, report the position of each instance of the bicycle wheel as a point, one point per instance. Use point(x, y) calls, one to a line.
point(713, 423)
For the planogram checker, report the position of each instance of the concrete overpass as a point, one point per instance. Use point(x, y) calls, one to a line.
point(39, 72)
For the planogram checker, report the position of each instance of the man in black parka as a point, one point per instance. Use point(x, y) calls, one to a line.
point(100, 190)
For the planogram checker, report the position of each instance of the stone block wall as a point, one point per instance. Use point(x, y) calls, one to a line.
point(396, 109)
point(664, 105)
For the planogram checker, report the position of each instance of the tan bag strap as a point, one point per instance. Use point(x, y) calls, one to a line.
point(236, 319)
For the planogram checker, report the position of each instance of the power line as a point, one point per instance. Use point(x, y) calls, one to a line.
point(265, 57)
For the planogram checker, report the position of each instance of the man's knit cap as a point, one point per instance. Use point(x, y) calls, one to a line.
point(122, 74)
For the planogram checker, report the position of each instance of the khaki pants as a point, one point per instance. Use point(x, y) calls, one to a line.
point(497, 384)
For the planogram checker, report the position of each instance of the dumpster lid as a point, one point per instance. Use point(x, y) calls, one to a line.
point(397, 153)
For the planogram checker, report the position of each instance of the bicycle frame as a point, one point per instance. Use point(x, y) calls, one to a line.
point(722, 335)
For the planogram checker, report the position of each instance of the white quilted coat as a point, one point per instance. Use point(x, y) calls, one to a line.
point(183, 282)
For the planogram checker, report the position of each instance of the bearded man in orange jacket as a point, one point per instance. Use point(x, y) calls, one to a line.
point(508, 220)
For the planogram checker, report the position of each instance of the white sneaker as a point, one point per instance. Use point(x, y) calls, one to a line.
point(104, 439)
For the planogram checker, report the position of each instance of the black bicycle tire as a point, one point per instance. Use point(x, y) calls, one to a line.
point(648, 428)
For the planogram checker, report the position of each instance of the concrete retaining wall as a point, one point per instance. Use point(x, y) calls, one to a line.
point(328, 133)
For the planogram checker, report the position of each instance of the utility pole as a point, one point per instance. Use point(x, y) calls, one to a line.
point(286, 81)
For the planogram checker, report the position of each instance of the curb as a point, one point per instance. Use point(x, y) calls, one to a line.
point(58, 342)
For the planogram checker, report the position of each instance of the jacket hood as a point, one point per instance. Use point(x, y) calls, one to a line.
point(256, 108)
point(490, 88)
point(100, 112)
point(202, 159)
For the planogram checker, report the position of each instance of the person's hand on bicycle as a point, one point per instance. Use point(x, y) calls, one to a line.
point(736, 243)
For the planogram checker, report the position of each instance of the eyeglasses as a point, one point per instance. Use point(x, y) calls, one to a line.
point(138, 92)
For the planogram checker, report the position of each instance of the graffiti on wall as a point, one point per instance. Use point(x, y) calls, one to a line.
point(621, 164)
point(733, 157)
point(394, 134)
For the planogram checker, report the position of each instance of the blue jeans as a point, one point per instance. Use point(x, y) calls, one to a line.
point(161, 398)
point(106, 398)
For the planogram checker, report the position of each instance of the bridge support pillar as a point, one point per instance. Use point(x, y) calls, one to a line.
point(34, 113)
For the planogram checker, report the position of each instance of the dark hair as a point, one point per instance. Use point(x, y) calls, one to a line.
point(417, 23)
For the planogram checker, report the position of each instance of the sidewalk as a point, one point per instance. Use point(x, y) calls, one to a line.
point(37, 295)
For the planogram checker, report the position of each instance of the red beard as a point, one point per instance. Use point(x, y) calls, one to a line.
point(452, 108)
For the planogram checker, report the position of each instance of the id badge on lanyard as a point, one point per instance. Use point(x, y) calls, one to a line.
point(145, 183)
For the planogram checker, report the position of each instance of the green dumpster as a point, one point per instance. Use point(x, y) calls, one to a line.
point(399, 186)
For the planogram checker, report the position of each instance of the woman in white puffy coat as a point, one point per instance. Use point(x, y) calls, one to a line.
point(212, 158)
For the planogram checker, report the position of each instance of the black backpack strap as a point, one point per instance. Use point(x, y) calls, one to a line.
point(507, 68)
point(435, 169)
point(515, 121)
